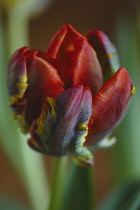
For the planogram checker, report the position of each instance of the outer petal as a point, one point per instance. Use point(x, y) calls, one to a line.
point(109, 105)
point(75, 59)
point(62, 127)
point(31, 78)
point(106, 52)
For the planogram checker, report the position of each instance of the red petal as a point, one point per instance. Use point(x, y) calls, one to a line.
point(18, 53)
point(109, 105)
point(43, 81)
point(106, 52)
point(66, 34)
point(75, 60)
point(86, 68)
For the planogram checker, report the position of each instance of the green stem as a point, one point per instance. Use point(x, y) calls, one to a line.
point(79, 189)
point(57, 185)
point(28, 163)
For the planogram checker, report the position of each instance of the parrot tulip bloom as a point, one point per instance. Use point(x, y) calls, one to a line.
point(67, 97)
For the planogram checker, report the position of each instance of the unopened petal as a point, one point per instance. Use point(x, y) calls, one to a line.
point(66, 34)
point(75, 60)
point(86, 67)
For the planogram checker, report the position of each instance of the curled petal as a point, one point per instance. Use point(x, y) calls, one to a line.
point(106, 52)
point(75, 60)
point(62, 127)
point(31, 78)
point(109, 105)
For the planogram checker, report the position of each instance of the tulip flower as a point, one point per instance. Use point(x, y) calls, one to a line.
point(68, 98)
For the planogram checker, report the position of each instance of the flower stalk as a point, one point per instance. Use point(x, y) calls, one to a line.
point(79, 190)
point(57, 183)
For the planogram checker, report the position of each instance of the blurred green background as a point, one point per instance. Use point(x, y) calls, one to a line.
point(120, 20)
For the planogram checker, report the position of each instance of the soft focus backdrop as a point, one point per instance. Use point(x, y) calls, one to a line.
point(120, 20)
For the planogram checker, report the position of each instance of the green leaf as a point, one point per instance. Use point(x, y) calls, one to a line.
point(125, 196)
point(78, 192)
point(127, 149)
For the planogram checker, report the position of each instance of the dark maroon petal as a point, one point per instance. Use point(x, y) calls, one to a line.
point(43, 82)
point(75, 60)
point(109, 105)
point(106, 52)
